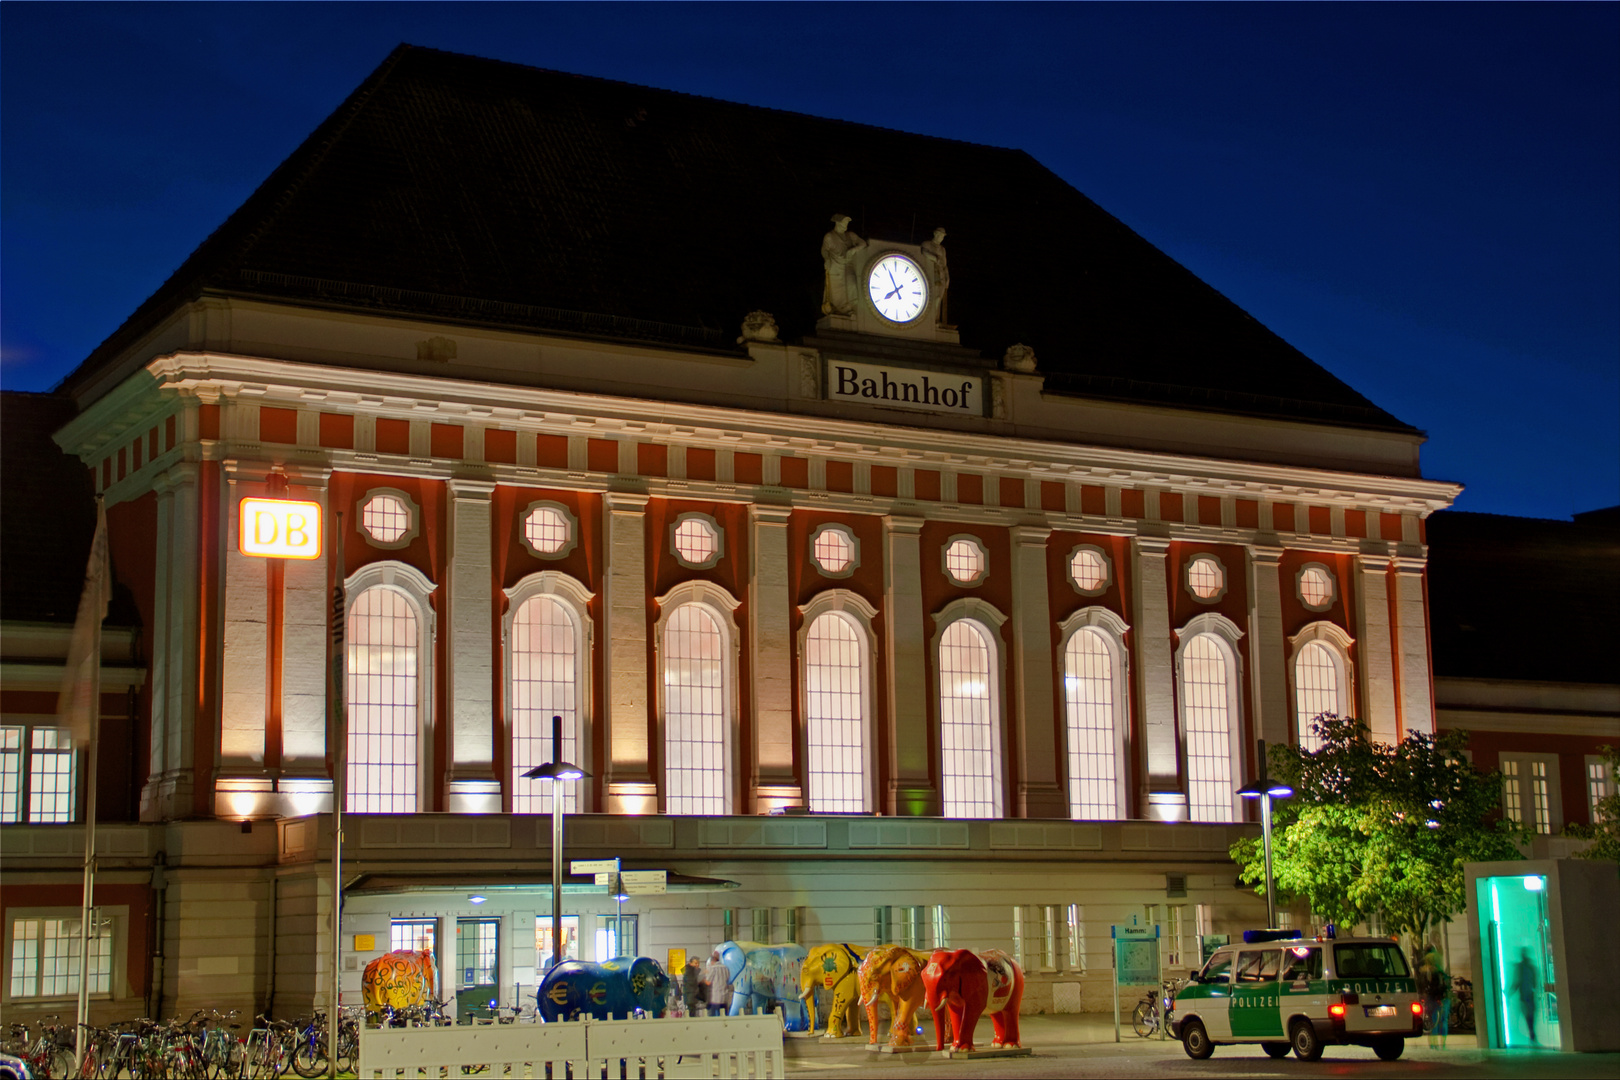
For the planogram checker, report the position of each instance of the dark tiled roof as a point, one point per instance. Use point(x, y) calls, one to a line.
point(1523, 598)
point(49, 512)
point(493, 193)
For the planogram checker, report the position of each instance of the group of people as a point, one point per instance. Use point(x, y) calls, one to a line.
point(706, 985)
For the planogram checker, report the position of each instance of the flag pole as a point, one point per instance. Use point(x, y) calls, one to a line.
point(337, 694)
point(84, 650)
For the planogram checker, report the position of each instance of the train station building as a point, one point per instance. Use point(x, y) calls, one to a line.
point(913, 552)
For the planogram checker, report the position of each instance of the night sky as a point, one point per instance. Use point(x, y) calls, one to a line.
point(1423, 199)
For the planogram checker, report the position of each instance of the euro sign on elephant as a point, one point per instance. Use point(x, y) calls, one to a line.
point(970, 985)
point(892, 973)
point(763, 976)
point(398, 980)
point(612, 990)
point(830, 970)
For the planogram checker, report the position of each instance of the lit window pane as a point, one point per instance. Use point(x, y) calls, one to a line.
point(1088, 691)
point(414, 934)
point(1510, 792)
point(1539, 795)
point(1206, 682)
point(833, 551)
point(695, 540)
point(1088, 569)
point(1316, 687)
point(695, 744)
point(544, 684)
point(385, 518)
point(382, 654)
point(1314, 587)
point(970, 757)
point(964, 561)
point(50, 776)
point(11, 759)
point(834, 673)
point(45, 957)
point(546, 529)
point(1205, 578)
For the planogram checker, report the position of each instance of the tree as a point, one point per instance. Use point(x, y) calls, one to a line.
point(1605, 828)
point(1374, 829)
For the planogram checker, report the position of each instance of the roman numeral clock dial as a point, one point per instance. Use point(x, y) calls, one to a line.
point(898, 289)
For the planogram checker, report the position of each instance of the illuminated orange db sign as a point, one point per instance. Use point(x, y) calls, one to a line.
point(279, 529)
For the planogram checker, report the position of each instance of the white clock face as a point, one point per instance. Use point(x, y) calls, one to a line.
point(898, 289)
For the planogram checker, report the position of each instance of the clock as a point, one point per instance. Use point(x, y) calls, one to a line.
point(898, 289)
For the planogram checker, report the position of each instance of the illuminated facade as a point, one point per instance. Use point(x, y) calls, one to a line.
point(845, 617)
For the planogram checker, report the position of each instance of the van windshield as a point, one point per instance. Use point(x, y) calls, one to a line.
point(1369, 960)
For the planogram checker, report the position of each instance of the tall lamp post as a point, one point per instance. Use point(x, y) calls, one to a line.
point(556, 770)
point(1265, 790)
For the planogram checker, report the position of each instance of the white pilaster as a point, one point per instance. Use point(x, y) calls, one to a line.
point(1412, 646)
point(1375, 648)
point(306, 597)
point(1268, 670)
point(909, 786)
point(628, 779)
point(471, 650)
point(771, 660)
point(244, 672)
point(1156, 674)
point(169, 789)
point(1040, 790)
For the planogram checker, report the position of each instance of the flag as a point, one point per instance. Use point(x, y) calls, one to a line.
point(81, 678)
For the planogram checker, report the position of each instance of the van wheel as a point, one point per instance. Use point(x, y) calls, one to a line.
point(1195, 1040)
point(1275, 1050)
point(1389, 1049)
point(1302, 1036)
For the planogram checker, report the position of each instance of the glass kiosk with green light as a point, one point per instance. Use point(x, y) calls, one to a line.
point(1544, 954)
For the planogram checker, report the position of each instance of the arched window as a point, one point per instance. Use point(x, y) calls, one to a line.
point(695, 646)
point(835, 645)
point(969, 674)
point(387, 636)
point(1321, 678)
point(548, 639)
point(1094, 704)
point(1208, 676)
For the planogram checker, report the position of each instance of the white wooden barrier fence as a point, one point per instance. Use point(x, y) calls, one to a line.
point(711, 1048)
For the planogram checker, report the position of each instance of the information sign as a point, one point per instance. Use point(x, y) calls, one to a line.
point(1136, 954)
point(593, 866)
point(279, 529)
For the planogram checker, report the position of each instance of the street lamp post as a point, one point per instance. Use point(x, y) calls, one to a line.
point(556, 770)
point(1265, 790)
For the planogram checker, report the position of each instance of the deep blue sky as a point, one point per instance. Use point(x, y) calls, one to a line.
point(1424, 199)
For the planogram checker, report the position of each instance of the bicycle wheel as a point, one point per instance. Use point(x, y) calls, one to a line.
point(309, 1058)
point(1144, 1020)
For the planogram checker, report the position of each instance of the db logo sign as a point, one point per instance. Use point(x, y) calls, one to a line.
point(280, 529)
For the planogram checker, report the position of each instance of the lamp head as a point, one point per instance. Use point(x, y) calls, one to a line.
point(1276, 789)
point(555, 770)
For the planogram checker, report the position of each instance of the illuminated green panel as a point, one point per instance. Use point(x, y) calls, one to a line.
point(1515, 934)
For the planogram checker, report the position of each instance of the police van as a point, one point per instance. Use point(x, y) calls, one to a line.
point(1287, 993)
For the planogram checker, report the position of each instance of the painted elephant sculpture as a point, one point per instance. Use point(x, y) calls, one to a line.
point(970, 985)
point(832, 969)
point(892, 973)
point(612, 990)
point(398, 980)
point(764, 975)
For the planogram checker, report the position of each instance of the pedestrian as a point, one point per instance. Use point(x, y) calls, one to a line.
point(1436, 997)
point(691, 986)
point(1527, 979)
point(718, 980)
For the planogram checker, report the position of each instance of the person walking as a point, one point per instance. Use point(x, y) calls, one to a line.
point(1436, 997)
point(691, 986)
point(718, 981)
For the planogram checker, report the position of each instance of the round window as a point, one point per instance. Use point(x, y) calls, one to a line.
point(1205, 578)
point(1088, 569)
point(696, 540)
point(1315, 587)
point(385, 518)
point(546, 529)
point(964, 561)
point(833, 551)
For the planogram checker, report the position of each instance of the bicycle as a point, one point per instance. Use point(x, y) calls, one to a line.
point(1147, 1017)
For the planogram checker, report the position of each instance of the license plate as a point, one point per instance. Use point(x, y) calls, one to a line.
point(1380, 1010)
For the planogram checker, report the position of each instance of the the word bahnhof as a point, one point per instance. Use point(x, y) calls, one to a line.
point(1004, 664)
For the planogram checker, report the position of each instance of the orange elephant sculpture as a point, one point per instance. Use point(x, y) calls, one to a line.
point(398, 980)
point(969, 986)
point(892, 972)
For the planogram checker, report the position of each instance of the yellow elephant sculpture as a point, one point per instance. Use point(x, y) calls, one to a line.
point(833, 968)
point(894, 974)
point(398, 980)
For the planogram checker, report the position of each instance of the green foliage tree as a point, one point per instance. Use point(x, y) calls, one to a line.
point(1374, 829)
point(1605, 828)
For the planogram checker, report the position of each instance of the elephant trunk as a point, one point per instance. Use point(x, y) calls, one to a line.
point(933, 999)
point(808, 996)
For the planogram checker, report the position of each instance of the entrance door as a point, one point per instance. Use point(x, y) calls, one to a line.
point(477, 974)
point(1520, 982)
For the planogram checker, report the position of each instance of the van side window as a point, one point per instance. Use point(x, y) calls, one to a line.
point(1255, 967)
point(1300, 963)
point(1218, 970)
point(1371, 960)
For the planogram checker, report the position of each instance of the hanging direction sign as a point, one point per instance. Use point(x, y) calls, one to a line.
point(593, 866)
point(645, 881)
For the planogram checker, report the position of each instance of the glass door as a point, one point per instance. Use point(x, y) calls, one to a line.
point(477, 974)
point(1520, 989)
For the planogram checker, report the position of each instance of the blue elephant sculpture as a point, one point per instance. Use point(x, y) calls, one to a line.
point(765, 975)
point(612, 990)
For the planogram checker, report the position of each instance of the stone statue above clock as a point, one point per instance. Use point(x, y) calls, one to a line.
point(838, 250)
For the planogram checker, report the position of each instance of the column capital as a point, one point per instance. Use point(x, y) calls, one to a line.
point(897, 523)
point(462, 487)
point(1030, 535)
point(1265, 555)
point(768, 514)
point(1409, 564)
point(626, 502)
point(1373, 562)
point(1151, 545)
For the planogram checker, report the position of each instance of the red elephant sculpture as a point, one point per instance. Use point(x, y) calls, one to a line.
point(971, 985)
